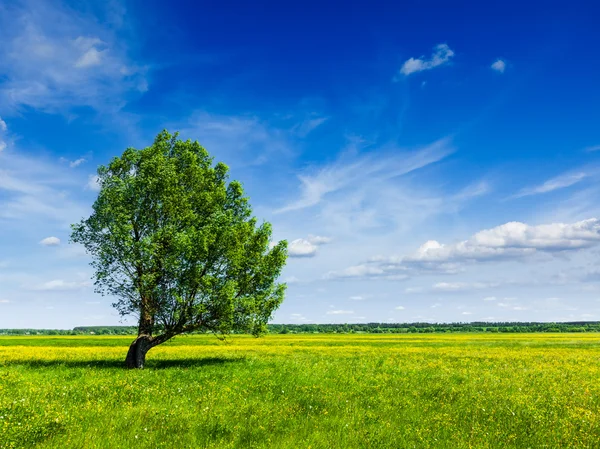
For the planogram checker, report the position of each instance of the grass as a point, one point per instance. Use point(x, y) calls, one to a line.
point(318, 391)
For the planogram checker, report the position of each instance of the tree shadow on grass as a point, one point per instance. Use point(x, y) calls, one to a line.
point(113, 364)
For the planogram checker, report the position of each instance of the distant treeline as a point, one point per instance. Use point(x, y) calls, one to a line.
point(415, 328)
point(368, 328)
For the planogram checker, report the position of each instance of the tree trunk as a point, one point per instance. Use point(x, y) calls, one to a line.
point(136, 356)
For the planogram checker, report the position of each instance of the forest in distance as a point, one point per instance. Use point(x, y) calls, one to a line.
point(368, 328)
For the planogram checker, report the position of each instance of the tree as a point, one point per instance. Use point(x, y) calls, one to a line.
point(176, 244)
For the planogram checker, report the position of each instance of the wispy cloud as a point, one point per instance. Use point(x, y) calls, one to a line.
point(307, 126)
point(54, 58)
point(246, 140)
point(441, 55)
point(32, 189)
point(62, 285)
point(3, 129)
point(340, 312)
point(559, 182)
point(462, 286)
point(353, 170)
point(77, 163)
point(592, 148)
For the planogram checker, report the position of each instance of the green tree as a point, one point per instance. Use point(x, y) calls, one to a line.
point(176, 244)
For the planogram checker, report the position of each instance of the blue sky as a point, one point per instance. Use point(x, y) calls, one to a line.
point(427, 161)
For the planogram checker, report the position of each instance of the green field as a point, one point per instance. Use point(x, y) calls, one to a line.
point(301, 391)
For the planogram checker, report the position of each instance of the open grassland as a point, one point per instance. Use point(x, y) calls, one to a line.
point(300, 391)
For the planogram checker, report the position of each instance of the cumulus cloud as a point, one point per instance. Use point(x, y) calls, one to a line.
point(50, 241)
point(441, 55)
point(306, 247)
point(513, 240)
point(510, 241)
point(499, 66)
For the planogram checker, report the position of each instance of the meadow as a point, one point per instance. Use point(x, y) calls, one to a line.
point(304, 391)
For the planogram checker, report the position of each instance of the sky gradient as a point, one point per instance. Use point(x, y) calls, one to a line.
point(426, 161)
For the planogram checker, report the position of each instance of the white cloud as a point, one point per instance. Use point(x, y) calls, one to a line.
point(592, 148)
point(291, 280)
point(302, 248)
point(306, 247)
point(89, 58)
point(365, 271)
point(50, 241)
point(318, 239)
point(513, 240)
point(558, 182)
point(77, 163)
point(400, 308)
point(247, 141)
point(467, 313)
point(3, 129)
point(499, 66)
point(357, 298)
point(4, 301)
point(490, 298)
point(510, 241)
point(462, 286)
point(33, 188)
point(61, 285)
point(340, 312)
point(351, 171)
point(54, 58)
point(307, 126)
point(93, 183)
point(409, 290)
point(441, 55)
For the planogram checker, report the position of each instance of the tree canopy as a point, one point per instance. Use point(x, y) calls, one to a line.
point(177, 245)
